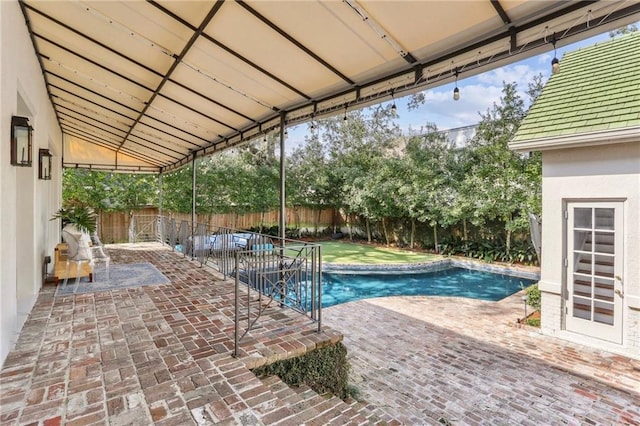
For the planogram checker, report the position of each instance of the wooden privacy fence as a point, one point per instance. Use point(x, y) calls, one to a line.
point(114, 226)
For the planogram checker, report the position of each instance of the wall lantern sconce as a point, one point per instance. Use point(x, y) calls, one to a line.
point(44, 162)
point(21, 141)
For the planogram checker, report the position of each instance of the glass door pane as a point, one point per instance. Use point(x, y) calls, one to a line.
point(594, 266)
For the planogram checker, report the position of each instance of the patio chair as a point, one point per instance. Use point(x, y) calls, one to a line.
point(79, 252)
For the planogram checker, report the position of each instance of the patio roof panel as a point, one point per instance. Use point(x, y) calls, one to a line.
point(191, 118)
point(181, 144)
point(88, 100)
point(240, 30)
point(336, 23)
point(98, 156)
point(190, 11)
point(147, 147)
point(92, 118)
point(212, 99)
point(228, 76)
point(93, 91)
point(184, 137)
point(274, 60)
point(90, 74)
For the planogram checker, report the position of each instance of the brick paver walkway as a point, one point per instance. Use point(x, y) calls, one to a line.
point(161, 355)
point(432, 360)
point(154, 355)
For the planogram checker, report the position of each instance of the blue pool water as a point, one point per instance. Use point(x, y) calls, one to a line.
point(341, 287)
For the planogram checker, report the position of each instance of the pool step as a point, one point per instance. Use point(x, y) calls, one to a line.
point(302, 405)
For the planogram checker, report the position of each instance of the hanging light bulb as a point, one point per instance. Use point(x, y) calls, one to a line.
point(555, 63)
point(394, 109)
point(345, 114)
point(456, 91)
point(555, 66)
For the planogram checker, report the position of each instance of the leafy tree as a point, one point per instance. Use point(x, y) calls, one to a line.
point(355, 148)
point(623, 30)
point(176, 190)
point(106, 191)
point(429, 188)
point(500, 183)
point(308, 182)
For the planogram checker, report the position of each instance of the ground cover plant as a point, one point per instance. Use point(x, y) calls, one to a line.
point(351, 253)
point(324, 370)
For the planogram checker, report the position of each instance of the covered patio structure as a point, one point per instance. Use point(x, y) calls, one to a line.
point(148, 87)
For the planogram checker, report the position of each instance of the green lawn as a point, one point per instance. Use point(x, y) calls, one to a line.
point(344, 252)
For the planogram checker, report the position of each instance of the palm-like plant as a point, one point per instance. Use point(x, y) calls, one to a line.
point(82, 217)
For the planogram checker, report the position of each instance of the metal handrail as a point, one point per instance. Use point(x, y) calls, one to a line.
point(268, 269)
point(290, 276)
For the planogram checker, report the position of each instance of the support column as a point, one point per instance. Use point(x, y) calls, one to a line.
point(193, 205)
point(160, 194)
point(160, 222)
point(283, 211)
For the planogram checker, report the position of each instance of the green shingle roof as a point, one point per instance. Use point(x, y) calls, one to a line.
point(597, 89)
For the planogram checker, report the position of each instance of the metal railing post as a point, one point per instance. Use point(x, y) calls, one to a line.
point(313, 284)
point(319, 248)
point(237, 308)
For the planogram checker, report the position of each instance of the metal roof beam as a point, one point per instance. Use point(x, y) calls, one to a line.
point(295, 42)
point(176, 62)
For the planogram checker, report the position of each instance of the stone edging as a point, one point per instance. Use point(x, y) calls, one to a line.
point(437, 265)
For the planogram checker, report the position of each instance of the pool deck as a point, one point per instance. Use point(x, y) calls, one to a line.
point(443, 360)
point(161, 355)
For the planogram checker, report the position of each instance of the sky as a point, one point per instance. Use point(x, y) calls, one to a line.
point(477, 94)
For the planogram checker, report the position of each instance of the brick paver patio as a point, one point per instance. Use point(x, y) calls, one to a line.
point(161, 355)
point(155, 354)
point(432, 360)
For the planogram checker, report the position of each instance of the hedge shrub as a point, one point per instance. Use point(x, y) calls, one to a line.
point(324, 370)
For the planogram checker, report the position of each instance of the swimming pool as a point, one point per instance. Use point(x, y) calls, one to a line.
point(346, 287)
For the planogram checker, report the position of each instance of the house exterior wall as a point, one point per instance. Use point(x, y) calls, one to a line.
point(598, 173)
point(27, 203)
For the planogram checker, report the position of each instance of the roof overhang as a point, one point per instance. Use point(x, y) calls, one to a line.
point(149, 86)
point(579, 140)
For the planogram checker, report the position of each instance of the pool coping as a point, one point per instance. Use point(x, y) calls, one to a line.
point(436, 265)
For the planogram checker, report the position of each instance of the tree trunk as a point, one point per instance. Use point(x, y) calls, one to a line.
point(296, 212)
point(508, 242)
point(413, 232)
point(464, 229)
point(384, 229)
point(261, 222)
point(368, 225)
point(435, 237)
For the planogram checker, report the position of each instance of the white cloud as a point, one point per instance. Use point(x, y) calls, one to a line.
point(521, 74)
point(441, 109)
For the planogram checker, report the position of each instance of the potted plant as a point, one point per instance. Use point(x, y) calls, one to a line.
point(83, 218)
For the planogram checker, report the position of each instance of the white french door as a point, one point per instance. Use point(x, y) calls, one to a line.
point(594, 269)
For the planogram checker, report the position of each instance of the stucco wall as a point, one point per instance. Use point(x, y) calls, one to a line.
point(26, 234)
point(609, 172)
